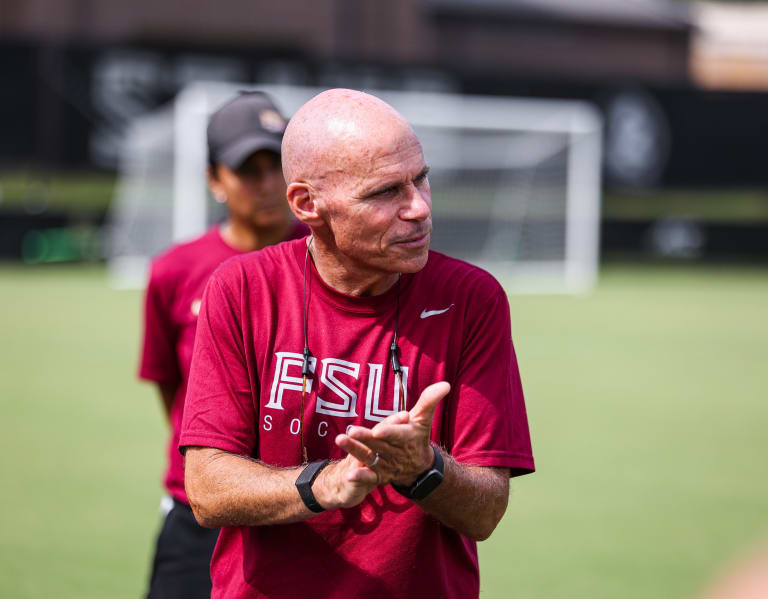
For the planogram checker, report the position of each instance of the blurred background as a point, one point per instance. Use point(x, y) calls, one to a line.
point(619, 146)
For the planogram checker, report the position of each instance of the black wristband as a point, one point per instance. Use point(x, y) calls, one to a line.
point(304, 485)
point(427, 481)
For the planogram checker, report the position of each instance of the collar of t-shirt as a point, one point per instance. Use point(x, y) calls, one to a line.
point(359, 304)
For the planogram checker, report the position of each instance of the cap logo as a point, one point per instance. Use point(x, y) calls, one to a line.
point(271, 120)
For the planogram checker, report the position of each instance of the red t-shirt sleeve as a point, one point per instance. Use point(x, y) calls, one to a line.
point(219, 410)
point(158, 355)
point(486, 422)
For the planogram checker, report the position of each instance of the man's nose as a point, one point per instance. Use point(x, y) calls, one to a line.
point(418, 204)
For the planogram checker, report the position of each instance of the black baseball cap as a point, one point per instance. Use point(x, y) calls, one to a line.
point(246, 124)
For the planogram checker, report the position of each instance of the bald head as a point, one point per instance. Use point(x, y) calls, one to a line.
point(357, 177)
point(334, 131)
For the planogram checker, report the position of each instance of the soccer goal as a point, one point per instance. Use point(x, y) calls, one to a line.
point(515, 182)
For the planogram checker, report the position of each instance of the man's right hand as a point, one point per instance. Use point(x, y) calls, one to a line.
point(344, 484)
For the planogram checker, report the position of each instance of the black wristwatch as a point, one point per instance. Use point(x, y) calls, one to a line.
point(427, 481)
point(304, 485)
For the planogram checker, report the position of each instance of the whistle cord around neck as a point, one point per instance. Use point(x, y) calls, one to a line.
point(306, 354)
point(394, 353)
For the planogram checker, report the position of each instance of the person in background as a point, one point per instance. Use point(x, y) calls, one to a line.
point(245, 173)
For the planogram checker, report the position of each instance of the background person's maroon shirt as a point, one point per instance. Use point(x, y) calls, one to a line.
point(244, 397)
point(171, 305)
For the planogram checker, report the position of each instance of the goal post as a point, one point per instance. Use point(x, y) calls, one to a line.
point(515, 182)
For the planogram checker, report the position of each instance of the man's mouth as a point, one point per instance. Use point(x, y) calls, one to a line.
point(414, 241)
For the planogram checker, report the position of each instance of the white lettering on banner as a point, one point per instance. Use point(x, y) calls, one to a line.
point(295, 426)
point(283, 380)
point(322, 429)
point(348, 398)
point(268, 422)
point(373, 411)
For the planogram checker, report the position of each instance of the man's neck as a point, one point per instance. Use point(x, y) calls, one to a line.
point(249, 239)
point(346, 276)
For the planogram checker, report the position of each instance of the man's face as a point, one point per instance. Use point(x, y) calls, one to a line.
point(255, 192)
point(378, 205)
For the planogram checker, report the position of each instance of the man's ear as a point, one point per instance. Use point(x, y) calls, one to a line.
point(302, 200)
point(215, 185)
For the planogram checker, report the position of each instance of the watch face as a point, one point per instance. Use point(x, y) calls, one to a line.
point(427, 481)
point(427, 484)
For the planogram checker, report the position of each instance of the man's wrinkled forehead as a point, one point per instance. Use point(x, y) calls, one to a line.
point(390, 155)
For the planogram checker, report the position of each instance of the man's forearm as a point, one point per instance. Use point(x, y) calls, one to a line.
point(225, 489)
point(471, 499)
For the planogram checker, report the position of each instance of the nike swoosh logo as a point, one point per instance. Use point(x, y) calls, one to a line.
point(428, 313)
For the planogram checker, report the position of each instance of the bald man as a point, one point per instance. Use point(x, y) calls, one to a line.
point(354, 411)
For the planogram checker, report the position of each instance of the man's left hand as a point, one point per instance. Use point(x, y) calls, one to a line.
point(401, 441)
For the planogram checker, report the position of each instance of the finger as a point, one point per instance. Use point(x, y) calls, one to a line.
point(362, 435)
point(383, 435)
point(398, 418)
point(380, 446)
point(383, 448)
point(393, 434)
point(424, 409)
point(355, 448)
point(354, 430)
point(359, 433)
point(362, 476)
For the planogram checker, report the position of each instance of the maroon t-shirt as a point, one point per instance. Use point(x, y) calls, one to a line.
point(244, 397)
point(172, 302)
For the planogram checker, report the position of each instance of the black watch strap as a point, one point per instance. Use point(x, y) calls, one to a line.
point(304, 485)
point(427, 481)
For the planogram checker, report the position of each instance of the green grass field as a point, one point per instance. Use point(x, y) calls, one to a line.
point(647, 402)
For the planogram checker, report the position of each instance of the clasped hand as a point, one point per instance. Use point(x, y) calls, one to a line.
point(401, 442)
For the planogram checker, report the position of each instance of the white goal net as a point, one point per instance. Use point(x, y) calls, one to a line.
point(515, 182)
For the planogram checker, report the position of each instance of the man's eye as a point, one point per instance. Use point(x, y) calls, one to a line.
point(385, 192)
